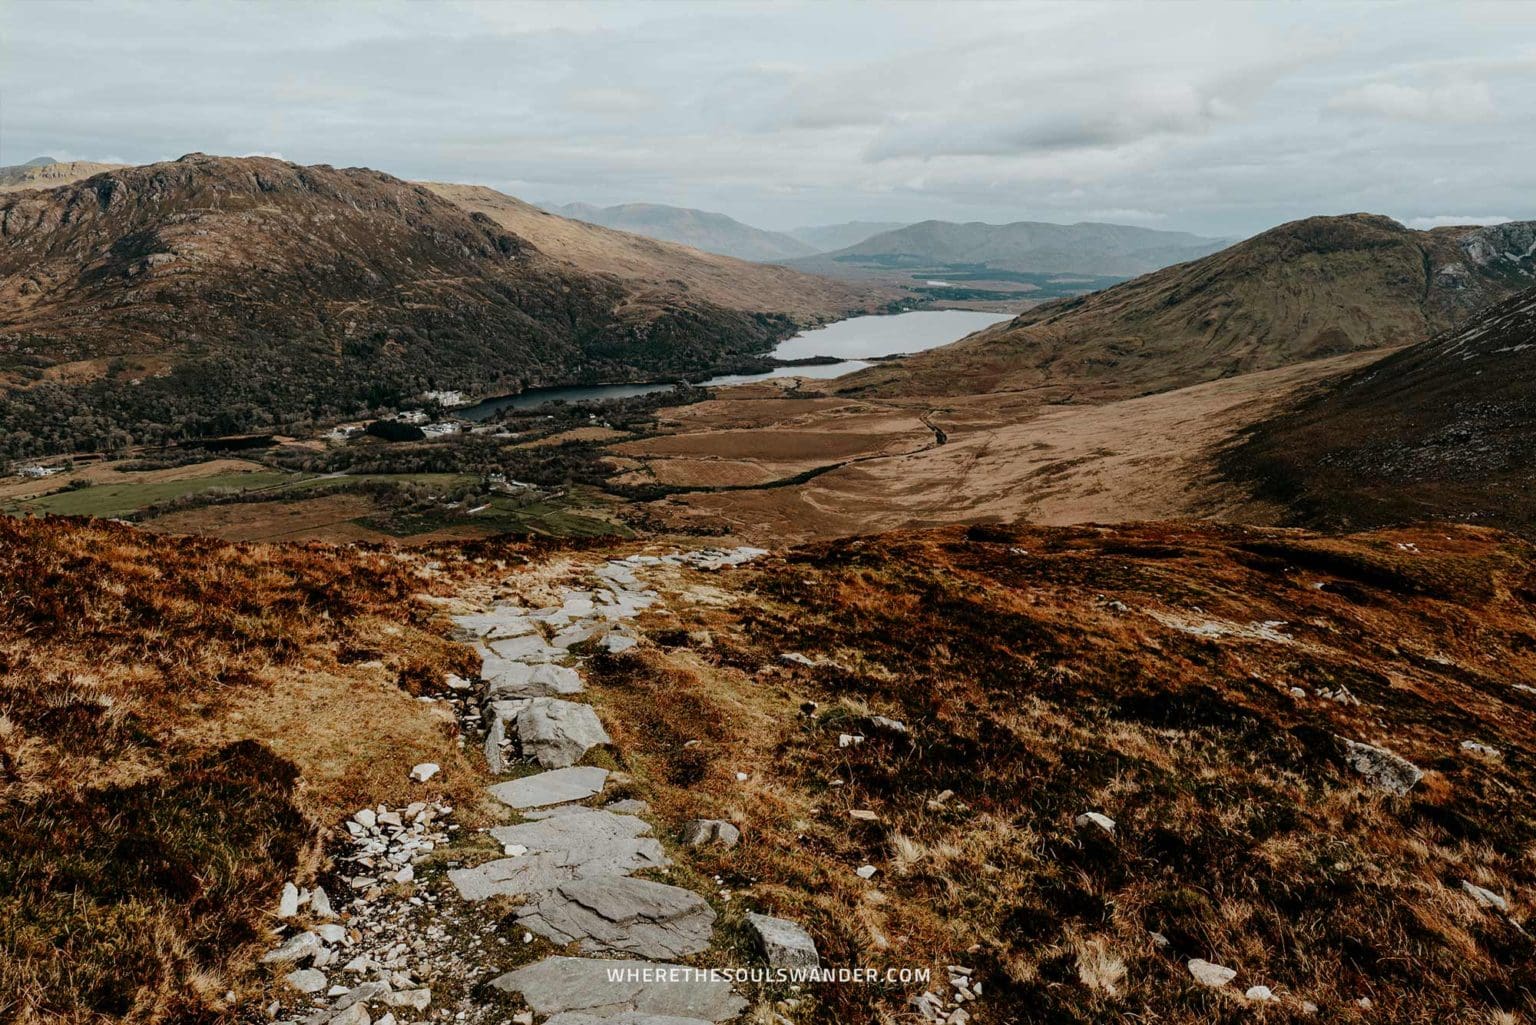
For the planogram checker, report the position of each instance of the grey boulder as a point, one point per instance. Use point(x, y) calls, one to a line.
point(521, 680)
point(1383, 769)
point(783, 943)
point(558, 733)
point(701, 832)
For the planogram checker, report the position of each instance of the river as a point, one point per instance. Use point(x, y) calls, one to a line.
point(850, 341)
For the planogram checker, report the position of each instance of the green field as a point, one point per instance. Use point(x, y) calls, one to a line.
point(566, 516)
point(124, 498)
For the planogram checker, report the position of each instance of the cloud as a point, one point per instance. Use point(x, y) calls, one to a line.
point(610, 101)
point(1202, 116)
point(1448, 103)
point(1454, 220)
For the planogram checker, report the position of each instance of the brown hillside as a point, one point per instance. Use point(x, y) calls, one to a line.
point(659, 271)
point(178, 718)
point(1189, 682)
point(1446, 428)
point(211, 295)
point(1308, 289)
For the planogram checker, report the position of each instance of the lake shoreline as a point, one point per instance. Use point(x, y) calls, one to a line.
point(918, 331)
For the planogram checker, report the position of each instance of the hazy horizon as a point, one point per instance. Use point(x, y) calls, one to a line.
point(1216, 119)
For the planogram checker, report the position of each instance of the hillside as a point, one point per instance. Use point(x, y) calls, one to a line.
point(47, 173)
point(826, 237)
point(896, 741)
point(702, 229)
point(1025, 247)
point(654, 270)
point(1446, 428)
point(183, 721)
point(1305, 290)
point(213, 295)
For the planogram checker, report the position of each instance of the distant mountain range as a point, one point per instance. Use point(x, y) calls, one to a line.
point(1025, 247)
point(824, 238)
point(711, 232)
point(654, 267)
point(1304, 290)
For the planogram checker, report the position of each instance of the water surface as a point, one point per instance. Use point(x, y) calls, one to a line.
point(848, 340)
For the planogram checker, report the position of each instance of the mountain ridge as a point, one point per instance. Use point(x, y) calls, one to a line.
point(1303, 290)
point(1031, 247)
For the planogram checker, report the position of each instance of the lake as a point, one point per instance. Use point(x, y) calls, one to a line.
point(851, 341)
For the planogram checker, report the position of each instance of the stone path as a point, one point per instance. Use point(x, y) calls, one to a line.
point(572, 864)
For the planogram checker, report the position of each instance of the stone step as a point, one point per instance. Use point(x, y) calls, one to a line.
point(557, 786)
point(608, 989)
point(620, 914)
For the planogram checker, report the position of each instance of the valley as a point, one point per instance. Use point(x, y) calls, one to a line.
point(422, 607)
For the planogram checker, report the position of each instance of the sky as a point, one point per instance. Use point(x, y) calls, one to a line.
point(1217, 118)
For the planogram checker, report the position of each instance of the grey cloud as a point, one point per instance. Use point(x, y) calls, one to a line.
point(1210, 117)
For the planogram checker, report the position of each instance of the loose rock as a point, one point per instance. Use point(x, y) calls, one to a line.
point(1212, 975)
point(699, 832)
point(1093, 818)
point(306, 980)
point(783, 943)
point(1384, 770)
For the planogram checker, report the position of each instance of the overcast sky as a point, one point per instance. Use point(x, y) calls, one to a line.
point(1218, 118)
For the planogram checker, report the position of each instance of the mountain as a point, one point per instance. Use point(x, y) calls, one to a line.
point(711, 232)
point(1028, 247)
point(1304, 290)
point(215, 295)
point(46, 173)
point(650, 266)
point(1445, 428)
point(827, 237)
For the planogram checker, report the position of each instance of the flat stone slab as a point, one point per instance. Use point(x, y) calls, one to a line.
point(620, 914)
point(561, 845)
point(627, 1018)
point(579, 632)
point(567, 828)
point(537, 872)
point(531, 648)
point(557, 786)
point(604, 989)
point(522, 680)
point(495, 623)
point(558, 733)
